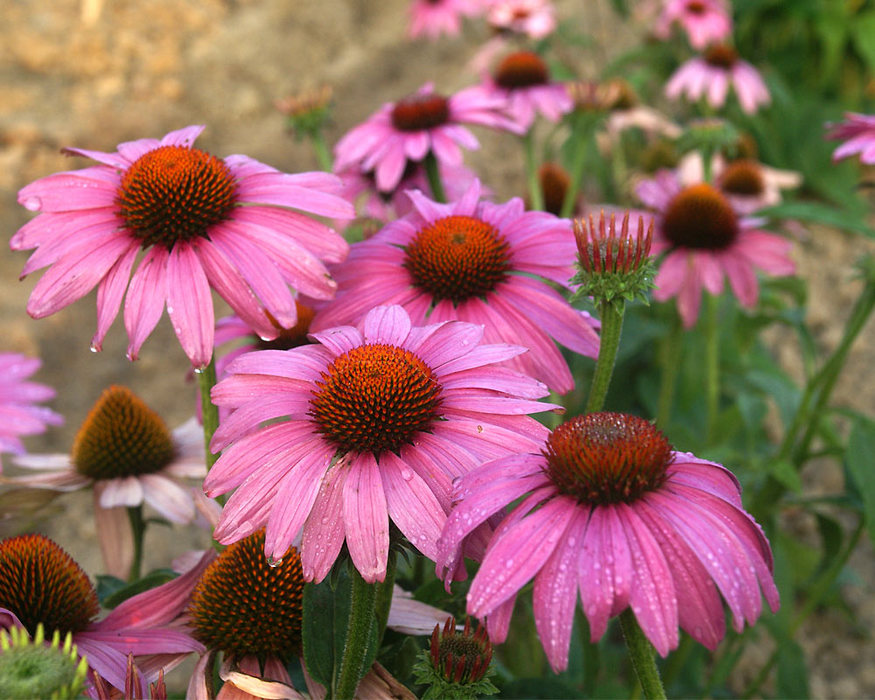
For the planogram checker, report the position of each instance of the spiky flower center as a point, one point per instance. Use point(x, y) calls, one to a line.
point(521, 69)
point(461, 657)
point(175, 193)
point(40, 582)
point(458, 257)
point(602, 458)
point(696, 7)
point(743, 177)
point(30, 668)
point(244, 606)
point(721, 56)
point(700, 217)
point(418, 112)
point(554, 181)
point(375, 398)
point(293, 337)
point(121, 437)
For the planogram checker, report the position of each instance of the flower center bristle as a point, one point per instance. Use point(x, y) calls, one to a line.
point(419, 112)
point(458, 257)
point(696, 7)
point(375, 398)
point(743, 177)
point(460, 656)
point(244, 606)
point(721, 56)
point(700, 217)
point(175, 193)
point(602, 458)
point(40, 582)
point(521, 70)
point(121, 437)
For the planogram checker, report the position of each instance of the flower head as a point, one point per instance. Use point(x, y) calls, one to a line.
point(610, 512)
point(858, 133)
point(126, 453)
point(40, 584)
point(457, 663)
point(704, 239)
point(704, 21)
point(474, 261)
point(532, 18)
point(712, 74)
point(378, 422)
point(408, 130)
point(307, 112)
point(19, 414)
point(31, 669)
point(201, 221)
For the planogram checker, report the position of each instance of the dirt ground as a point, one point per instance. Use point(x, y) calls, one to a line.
point(93, 73)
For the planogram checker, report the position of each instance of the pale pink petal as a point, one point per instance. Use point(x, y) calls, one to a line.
point(123, 491)
point(168, 498)
point(114, 536)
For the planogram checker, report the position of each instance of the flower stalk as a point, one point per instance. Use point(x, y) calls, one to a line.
point(642, 656)
point(206, 378)
point(432, 172)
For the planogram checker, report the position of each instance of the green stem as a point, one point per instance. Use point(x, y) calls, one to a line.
point(712, 365)
point(535, 193)
point(362, 611)
point(611, 315)
point(432, 172)
point(138, 528)
point(323, 155)
point(206, 379)
point(591, 656)
point(671, 362)
point(642, 655)
point(707, 153)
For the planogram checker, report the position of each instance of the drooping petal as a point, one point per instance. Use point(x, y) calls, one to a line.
point(366, 518)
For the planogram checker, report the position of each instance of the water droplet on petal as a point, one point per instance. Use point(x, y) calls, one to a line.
point(33, 203)
point(197, 370)
point(273, 563)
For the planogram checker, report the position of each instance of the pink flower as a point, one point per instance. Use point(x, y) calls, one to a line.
point(126, 454)
point(711, 76)
point(611, 513)
point(522, 81)
point(533, 18)
point(858, 132)
point(40, 583)
point(704, 239)
point(471, 260)
point(704, 21)
point(425, 122)
point(378, 422)
point(18, 413)
point(431, 18)
point(202, 222)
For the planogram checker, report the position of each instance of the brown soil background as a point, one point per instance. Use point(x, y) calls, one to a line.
point(93, 73)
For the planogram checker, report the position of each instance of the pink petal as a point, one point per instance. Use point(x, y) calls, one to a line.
point(190, 304)
point(168, 498)
point(324, 532)
point(114, 535)
point(145, 300)
point(110, 292)
point(388, 325)
point(366, 518)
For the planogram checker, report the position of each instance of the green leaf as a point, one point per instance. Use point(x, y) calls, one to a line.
point(818, 213)
point(863, 34)
point(115, 594)
point(860, 461)
point(317, 631)
point(784, 472)
point(792, 671)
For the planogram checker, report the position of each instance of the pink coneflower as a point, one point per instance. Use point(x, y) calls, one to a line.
point(522, 80)
point(379, 421)
point(127, 455)
point(40, 583)
point(858, 132)
point(535, 19)
point(704, 239)
point(202, 222)
point(711, 75)
point(484, 263)
point(432, 18)
point(18, 413)
point(610, 512)
point(704, 21)
point(408, 130)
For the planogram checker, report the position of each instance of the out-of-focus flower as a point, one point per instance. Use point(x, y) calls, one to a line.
point(704, 239)
point(475, 261)
point(432, 18)
point(858, 133)
point(40, 583)
point(203, 223)
point(535, 19)
point(378, 421)
point(704, 21)
point(307, 112)
point(127, 455)
point(19, 414)
point(610, 512)
point(408, 130)
point(133, 689)
point(554, 182)
point(713, 73)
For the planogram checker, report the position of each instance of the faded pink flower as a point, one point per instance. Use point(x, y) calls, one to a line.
point(202, 222)
point(610, 513)
point(40, 583)
point(704, 239)
point(712, 74)
point(704, 21)
point(432, 18)
point(475, 261)
point(858, 132)
point(408, 130)
point(535, 19)
point(19, 414)
point(128, 456)
point(378, 421)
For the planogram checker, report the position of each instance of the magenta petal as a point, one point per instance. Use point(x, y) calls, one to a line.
point(324, 531)
point(411, 504)
point(387, 324)
point(366, 518)
point(145, 300)
point(190, 305)
point(110, 293)
point(69, 191)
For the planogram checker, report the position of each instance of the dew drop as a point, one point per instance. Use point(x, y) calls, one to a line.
point(273, 563)
point(93, 348)
point(32, 203)
point(199, 370)
point(406, 474)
